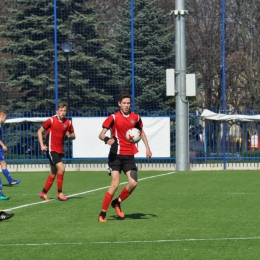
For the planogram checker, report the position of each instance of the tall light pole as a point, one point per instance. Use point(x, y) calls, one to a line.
point(182, 106)
point(66, 47)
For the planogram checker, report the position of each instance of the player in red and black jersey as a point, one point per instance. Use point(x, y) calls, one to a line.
point(121, 155)
point(57, 128)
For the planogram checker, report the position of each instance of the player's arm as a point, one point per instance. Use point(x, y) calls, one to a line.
point(102, 136)
point(40, 138)
point(70, 132)
point(72, 136)
point(148, 150)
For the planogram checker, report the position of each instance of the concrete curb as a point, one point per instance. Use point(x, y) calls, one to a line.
point(141, 167)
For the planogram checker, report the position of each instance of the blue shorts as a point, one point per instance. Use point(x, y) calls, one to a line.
point(2, 156)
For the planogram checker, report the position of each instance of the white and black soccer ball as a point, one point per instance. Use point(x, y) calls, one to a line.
point(133, 135)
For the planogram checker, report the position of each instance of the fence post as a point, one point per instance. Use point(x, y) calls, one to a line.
point(224, 81)
point(55, 56)
point(132, 55)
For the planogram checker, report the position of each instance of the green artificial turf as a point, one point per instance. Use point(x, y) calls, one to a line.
point(182, 215)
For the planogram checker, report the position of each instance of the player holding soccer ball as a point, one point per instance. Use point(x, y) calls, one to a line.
point(57, 128)
point(121, 156)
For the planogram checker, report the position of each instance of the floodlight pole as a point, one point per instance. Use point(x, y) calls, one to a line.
point(182, 106)
point(66, 47)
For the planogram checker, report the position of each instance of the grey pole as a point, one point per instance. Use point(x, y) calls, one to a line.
point(66, 47)
point(182, 106)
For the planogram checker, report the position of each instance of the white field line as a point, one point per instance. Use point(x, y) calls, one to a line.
point(85, 192)
point(138, 241)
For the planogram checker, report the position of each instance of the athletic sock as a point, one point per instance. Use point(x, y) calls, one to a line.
point(123, 195)
point(48, 183)
point(1, 194)
point(59, 181)
point(106, 201)
point(7, 175)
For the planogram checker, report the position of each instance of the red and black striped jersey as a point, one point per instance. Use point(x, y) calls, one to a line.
point(55, 133)
point(119, 124)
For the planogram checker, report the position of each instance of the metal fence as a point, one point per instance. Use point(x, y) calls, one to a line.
point(207, 144)
point(66, 51)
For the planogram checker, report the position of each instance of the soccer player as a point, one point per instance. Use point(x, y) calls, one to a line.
point(3, 148)
point(5, 216)
point(57, 128)
point(121, 155)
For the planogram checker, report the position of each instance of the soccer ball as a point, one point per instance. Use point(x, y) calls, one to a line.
point(133, 135)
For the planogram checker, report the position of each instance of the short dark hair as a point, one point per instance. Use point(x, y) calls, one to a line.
point(124, 95)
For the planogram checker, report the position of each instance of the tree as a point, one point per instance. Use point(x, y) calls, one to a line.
point(204, 47)
point(243, 57)
point(204, 51)
point(153, 53)
point(28, 34)
point(108, 12)
point(4, 5)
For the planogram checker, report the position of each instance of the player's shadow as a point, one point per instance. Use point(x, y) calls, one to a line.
point(75, 197)
point(69, 198)
point(137, 216)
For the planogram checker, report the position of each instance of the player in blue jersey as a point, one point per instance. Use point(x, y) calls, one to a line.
point(3, 148)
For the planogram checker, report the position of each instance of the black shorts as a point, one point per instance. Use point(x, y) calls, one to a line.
point(119, 162)
point(54, 158)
